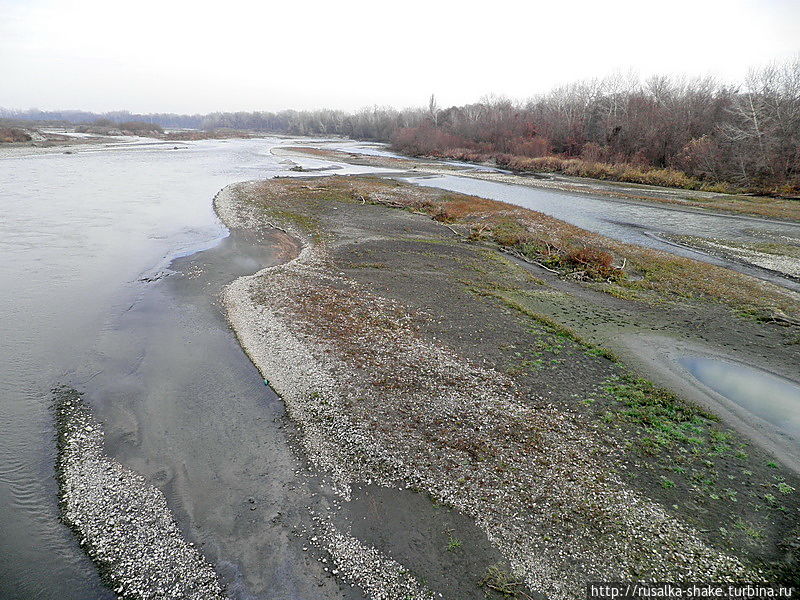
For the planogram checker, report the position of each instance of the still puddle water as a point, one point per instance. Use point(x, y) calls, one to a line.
point(771, 398)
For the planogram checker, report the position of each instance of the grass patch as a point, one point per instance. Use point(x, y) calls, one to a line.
point(664, 418)
point(554, 326)
point(453, 543)
point(504, 583)
point(748, 529)
point(304, 222)
point(648, 274)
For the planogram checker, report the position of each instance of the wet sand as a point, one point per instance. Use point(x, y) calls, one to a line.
point(184, 407)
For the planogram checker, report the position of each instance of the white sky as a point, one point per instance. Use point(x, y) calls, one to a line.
point(176, 56)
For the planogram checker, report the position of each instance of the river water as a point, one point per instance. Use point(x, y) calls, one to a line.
point(80, 234)
point(647, 225)
point(77, 233)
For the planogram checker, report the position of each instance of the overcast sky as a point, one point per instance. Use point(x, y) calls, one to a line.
point(175, 56)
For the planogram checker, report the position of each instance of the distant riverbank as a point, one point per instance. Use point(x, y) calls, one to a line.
point(761, 206)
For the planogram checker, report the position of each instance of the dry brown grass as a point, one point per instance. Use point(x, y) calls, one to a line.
point(13, 134)
point(649, 275)
point(599, 170)
point(727, 201)
point(455, 208)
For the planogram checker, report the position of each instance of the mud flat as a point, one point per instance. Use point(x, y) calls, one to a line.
point(407, 356)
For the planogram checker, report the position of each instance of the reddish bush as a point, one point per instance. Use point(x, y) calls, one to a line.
point(594, 261)
point(425, 141)
point(530, 147)
point(593, 152)
point(701, 157)
point(13, 134)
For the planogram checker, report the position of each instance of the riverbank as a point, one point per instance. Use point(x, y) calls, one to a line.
point(575, 468)
point(75, 145)
point(761, 206)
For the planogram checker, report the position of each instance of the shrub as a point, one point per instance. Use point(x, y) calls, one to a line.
point(530, 147)
point(13, 134)
point(595, 262)
point(425, 141)
point(509, 232)
point(140, 127)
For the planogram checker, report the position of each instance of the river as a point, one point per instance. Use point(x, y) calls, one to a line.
point(83, 236)
point(78, 233)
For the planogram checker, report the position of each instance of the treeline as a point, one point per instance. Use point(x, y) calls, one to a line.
point(695, 133)
point(375, 124)
point(106, 126)
point(65, 118)
point(689, 133)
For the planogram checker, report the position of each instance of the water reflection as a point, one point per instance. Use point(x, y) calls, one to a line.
point(771, 398)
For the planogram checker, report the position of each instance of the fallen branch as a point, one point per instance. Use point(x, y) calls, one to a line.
point(450, 228)
point(273, 226)
point(528, 260)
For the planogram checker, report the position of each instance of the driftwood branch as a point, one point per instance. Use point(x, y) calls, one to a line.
point(273, 226)
point(528, 260)
point(451, 229)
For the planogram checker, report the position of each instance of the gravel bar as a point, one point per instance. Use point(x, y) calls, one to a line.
point(375, 400)
point(123, 523)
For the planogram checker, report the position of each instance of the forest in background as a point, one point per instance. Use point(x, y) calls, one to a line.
point(692, 133)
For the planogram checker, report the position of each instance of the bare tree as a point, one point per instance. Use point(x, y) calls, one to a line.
point(433, 110)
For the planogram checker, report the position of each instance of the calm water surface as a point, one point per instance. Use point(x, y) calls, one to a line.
point(767, 396)
point(77, 232)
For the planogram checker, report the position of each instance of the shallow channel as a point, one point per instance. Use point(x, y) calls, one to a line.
point(774, 399)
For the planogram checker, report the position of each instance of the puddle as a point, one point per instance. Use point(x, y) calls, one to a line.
point(769, 397)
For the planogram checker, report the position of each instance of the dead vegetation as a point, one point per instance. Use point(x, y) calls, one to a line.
point(414, 411)
point(636, 272)
point(10, 135)
point(504, 583)
point(722, 199)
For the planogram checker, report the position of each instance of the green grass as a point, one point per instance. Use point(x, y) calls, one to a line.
point(748, 529)
point(305, 223)
point(453, 543)
point(552, 325)
point(664, 418)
